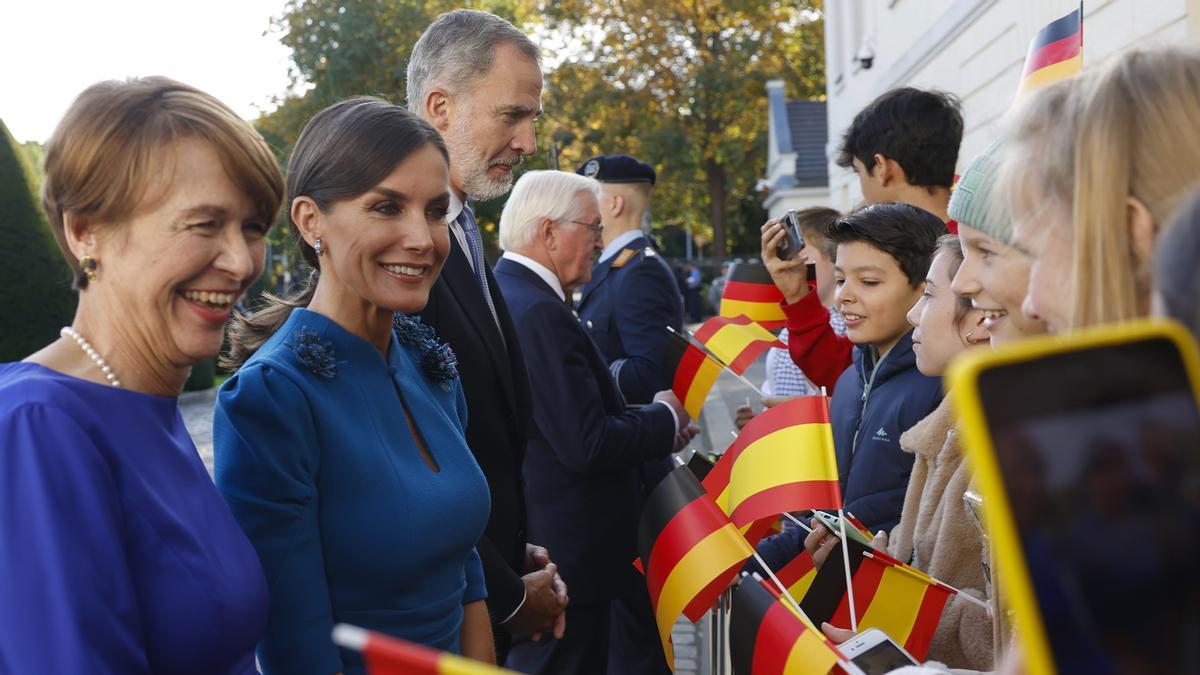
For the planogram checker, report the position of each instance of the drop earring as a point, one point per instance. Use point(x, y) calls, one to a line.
point(87, 272)
point(319, 247)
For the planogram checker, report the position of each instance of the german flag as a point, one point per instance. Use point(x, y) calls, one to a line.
point(386, 655)
point(1055, 53)
point(766, 637)
point(688, 549)
point(784, 460)
point(798, 575)
point(691, 372)
point(750, 292)
point(736, 342)
point(901, 601)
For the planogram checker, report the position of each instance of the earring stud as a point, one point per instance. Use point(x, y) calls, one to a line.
point(319, 247)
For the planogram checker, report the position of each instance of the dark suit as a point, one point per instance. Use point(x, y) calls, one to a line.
point(626, 308)
point(498, 417)
point(582, 470)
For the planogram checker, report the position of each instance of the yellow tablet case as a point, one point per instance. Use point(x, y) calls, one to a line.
point(963, 379)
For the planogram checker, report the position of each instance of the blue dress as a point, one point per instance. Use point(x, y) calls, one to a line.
point(117, 555)
point(318, 464)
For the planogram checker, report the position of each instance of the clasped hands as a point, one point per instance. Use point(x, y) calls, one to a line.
point(545, 597)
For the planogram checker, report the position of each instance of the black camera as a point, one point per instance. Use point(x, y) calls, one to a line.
point(793, 242)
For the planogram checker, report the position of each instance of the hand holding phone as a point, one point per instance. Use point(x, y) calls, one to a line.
point(793, 241)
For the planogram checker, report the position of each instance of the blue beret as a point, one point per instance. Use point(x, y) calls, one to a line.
point(617, 169)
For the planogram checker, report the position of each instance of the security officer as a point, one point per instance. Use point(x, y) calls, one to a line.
point(626, 307)
point(632, 296)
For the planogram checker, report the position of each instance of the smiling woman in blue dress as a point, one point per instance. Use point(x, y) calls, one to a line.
point(339, 441)
point(117, 555)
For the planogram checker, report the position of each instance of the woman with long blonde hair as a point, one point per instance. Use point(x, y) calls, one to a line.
point(1097, 166)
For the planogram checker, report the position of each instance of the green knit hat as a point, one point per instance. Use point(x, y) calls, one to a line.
point(977, 202)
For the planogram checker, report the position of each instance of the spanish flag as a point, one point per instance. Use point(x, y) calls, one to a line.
point(688, 549)
point(1055, 53)
point(767, 637)
point(386, 655)
point(784, 460)
point(750, 292)
point(691, 371)
point(901, 601)
point(736, 342)
point(716, 483)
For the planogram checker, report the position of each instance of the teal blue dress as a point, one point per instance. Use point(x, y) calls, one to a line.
point(317, 462)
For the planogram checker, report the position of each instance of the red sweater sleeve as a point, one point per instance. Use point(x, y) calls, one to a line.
point(822, 354)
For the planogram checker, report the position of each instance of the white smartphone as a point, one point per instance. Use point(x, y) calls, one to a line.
point(833, 524)
point(874, 653)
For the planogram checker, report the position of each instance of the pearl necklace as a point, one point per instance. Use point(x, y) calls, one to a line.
point(88, 349)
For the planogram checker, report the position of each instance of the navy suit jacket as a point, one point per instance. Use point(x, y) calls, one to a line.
point(492, 370)
point(582, 464)
point(626, 308)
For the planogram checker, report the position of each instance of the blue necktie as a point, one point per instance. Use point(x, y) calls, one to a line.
point(475, 244)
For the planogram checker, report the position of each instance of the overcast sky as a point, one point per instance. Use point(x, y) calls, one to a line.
point(50, 50)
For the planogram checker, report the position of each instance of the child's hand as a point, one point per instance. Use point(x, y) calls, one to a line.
point(743, 416)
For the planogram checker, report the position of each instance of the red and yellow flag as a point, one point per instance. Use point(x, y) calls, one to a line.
point(900, 600)
point(1055, 53)
point(691, 371)
point(798, 575)
point(737, 342)
point(689, 551)
point(386, 655)
point(750, 292)
point(784, 460)
point(767, 637)
point(716, 483)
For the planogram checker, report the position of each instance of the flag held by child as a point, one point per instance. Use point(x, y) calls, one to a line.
point(784, 460)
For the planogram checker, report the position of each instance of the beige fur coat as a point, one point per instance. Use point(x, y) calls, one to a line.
point(938, 536)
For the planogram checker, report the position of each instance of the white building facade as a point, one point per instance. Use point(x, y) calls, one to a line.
point(974, 49)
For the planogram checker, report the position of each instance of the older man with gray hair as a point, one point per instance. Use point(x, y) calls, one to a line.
point(476, 78)
point(586, 449)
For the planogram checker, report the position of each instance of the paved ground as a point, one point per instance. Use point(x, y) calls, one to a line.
point(693, 645)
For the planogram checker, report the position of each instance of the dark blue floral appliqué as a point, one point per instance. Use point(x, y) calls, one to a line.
point(437, 359)
point(316, 355)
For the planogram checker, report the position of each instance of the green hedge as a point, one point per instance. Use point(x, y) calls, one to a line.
point(36, 299)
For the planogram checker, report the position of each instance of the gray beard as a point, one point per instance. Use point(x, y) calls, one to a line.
point(476, 182)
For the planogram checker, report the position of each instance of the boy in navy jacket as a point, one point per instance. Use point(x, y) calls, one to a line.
point(882, 255)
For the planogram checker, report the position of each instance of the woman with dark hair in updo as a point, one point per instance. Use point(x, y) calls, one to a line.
point(117, 554)
point(339, 440)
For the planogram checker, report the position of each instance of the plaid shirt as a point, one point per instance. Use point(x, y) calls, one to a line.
point(783, 377)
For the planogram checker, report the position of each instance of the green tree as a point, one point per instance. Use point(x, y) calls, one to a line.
point(35, 293)
point(682, 84)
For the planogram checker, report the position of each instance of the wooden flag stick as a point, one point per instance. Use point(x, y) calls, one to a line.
point(691, 338)
point(849, 579)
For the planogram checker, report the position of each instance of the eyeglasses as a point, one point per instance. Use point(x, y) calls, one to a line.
point(596, 228)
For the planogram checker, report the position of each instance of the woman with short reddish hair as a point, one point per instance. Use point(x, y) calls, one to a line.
point(118, 554)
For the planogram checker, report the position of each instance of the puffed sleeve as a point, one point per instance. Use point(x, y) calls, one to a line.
point(476, 588)
point(67, 602)
point(266, 462)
